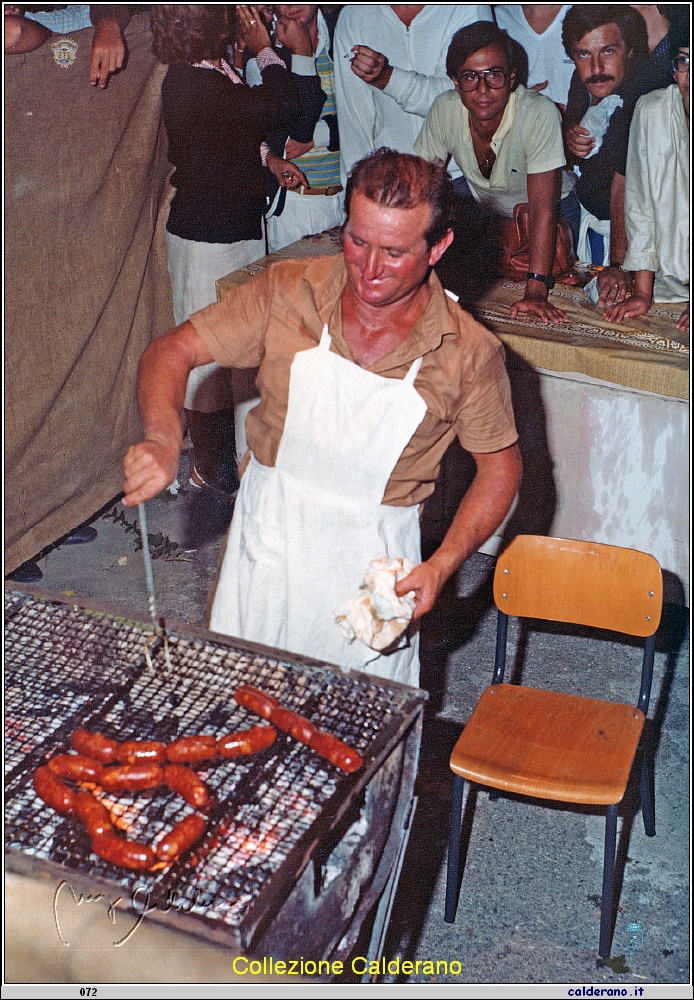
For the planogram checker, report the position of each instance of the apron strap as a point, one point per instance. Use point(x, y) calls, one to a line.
point(413, 372)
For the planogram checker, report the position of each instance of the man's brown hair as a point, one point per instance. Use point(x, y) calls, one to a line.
point(402, 180)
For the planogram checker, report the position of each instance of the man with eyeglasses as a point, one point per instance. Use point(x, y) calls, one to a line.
point(507, 141)
point(656, 201)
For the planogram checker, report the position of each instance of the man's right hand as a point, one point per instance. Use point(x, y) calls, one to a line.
point(294, 36)
point(579, 141)
point(150, 467)
point(255, 34)
point(288, 175)
point(371, 66)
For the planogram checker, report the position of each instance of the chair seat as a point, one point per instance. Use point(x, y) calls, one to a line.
point(549, 745)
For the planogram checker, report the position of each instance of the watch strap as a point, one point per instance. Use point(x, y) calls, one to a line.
point(545, 279)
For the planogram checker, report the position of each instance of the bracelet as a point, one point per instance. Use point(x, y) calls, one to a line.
point(616, 266)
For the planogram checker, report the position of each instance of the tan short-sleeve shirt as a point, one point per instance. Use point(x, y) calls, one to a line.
point(282, 310)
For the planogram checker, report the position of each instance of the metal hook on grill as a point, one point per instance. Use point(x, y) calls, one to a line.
point(159, 628)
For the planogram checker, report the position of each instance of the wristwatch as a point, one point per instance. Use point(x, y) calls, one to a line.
point(547, 280)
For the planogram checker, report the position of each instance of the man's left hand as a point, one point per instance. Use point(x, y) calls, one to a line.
point(637, 305)
point(108, 51)
point(371, 66)
point(426, 582)
point(537, 306)
point(613, 285)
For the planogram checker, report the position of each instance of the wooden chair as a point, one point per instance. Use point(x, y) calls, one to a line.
point(558, 746)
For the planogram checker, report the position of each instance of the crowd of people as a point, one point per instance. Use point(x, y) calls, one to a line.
point(388, 120)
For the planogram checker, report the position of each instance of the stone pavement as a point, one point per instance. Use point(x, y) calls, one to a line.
point(530, 898)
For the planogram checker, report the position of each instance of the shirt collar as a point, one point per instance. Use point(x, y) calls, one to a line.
point(505, 124)
point(323, 35)
point(433, 325)
point(507, 119)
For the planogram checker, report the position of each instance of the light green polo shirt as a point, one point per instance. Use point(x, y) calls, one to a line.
point(528, 141)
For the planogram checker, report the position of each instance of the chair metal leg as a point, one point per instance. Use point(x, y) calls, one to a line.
point(608, 882)
point(647, 809)
point(454, 849)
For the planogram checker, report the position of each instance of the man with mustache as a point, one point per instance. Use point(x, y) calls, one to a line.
point(610, 52)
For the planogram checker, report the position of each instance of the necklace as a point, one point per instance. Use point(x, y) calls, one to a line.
point(486, 157)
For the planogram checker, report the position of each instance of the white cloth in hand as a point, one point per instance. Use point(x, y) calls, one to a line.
point(597, 118)
point(378, 617)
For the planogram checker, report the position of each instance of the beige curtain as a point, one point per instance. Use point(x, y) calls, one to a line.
point(86, 285)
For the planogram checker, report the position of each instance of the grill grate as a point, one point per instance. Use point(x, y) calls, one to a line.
point(69, 667)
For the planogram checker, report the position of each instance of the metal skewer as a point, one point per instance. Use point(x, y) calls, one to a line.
point(149, 576)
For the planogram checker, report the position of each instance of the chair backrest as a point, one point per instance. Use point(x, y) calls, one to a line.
point(584, 583)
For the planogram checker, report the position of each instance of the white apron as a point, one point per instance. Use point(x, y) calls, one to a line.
point(304, 532)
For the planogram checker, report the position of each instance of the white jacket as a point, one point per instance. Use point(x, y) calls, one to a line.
point(370, 118)
point(656, 198)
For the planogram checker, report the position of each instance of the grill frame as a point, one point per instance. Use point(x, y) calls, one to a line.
point(390, 758)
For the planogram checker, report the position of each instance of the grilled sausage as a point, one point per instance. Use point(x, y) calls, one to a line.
point(131, 777)
point(187, 784)
point(134, 751)
point(298, 727)
point(255, 699)
point(94, 745)
point(191, 750)
point(121, 852)
point(93, 814)
point(184, 835)
point(53, 791)
point(76, 767)
point(337, 752)
point(247, 741)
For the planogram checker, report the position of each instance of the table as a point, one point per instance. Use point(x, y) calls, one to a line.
point(603, 417)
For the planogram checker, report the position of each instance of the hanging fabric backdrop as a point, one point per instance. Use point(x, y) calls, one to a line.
point(86, 286)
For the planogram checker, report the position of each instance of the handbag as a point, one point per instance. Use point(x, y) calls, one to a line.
point(514, 236)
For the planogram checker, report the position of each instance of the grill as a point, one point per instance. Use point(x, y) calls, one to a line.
point(285, 843)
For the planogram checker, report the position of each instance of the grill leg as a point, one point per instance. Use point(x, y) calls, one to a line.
point(608, 882)
point(454, 850)
point(647, 810)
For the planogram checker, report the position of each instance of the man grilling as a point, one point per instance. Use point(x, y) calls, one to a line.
point(367, 371)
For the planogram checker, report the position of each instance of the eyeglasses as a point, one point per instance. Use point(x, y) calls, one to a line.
point(681, 64)
point(469, 79)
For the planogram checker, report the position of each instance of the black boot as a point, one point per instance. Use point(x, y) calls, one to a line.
point(213, 462)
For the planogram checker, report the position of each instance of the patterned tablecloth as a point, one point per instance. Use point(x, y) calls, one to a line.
point(646, 353)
